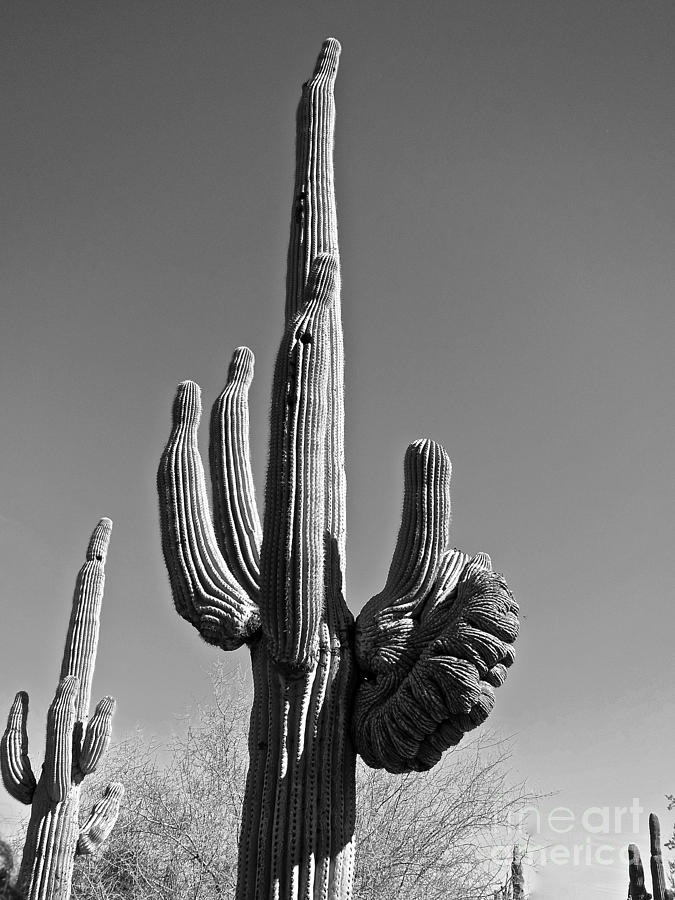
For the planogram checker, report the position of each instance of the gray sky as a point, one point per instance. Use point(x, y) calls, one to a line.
point(506, 198)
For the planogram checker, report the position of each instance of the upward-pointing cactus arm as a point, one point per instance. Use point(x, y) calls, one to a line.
point(436, 641)
point(235, 513)
point(205, 591)
point(59, 745)
point(97, 736)
point(17, 774)
point(79, 655)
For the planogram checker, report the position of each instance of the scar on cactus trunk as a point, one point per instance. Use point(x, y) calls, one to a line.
point(74, 748)
point(419, 666)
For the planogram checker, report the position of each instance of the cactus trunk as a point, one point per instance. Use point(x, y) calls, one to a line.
point(418, 668)
point(49, 848)
point(298, 818)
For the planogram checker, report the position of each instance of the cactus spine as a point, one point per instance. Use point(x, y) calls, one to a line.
point(74, 748)
point(417, 669)
point(636, 878)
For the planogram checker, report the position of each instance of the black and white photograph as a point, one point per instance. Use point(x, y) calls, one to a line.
point(336, 460)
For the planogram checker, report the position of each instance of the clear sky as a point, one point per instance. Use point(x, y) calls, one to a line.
point(506, 198)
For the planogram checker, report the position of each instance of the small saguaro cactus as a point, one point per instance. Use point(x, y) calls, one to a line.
point(418, 668)
point(636, 877)
point(74, 748)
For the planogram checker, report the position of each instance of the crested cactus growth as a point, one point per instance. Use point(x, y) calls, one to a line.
point(418, 668)
point(636, 877)
point(74, 748)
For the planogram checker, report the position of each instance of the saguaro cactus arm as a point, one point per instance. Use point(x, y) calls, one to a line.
point(17, 774)
point(235, 513)
point(79, 655)
point(101, 820)
point(436, 641)
point(205, 591)
point(59, 748)
point(97, 736)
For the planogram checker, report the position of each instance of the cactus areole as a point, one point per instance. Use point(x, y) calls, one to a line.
point(419, 666)
point(74, 749)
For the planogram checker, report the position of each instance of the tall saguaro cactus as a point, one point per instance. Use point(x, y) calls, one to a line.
point(74, 748)
point(417, 669)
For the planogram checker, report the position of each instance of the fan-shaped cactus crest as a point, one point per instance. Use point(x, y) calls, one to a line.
point(418, 668)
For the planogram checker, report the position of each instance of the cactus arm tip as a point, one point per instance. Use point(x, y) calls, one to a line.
point(236, 520)
point(654, 834)
point(101, 820)
point(437, 640)
point(327, 62)
point(99, 541)
point(17, 773)
point(204, 590)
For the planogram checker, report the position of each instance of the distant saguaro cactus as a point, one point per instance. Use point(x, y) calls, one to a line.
point(636, 878)
point(74, 748)
point(417, 669)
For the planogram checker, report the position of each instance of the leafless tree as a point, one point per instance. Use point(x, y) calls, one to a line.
point(425, 838)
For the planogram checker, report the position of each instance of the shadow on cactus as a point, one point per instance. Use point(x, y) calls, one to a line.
point(74, 749)
point(418, 668)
